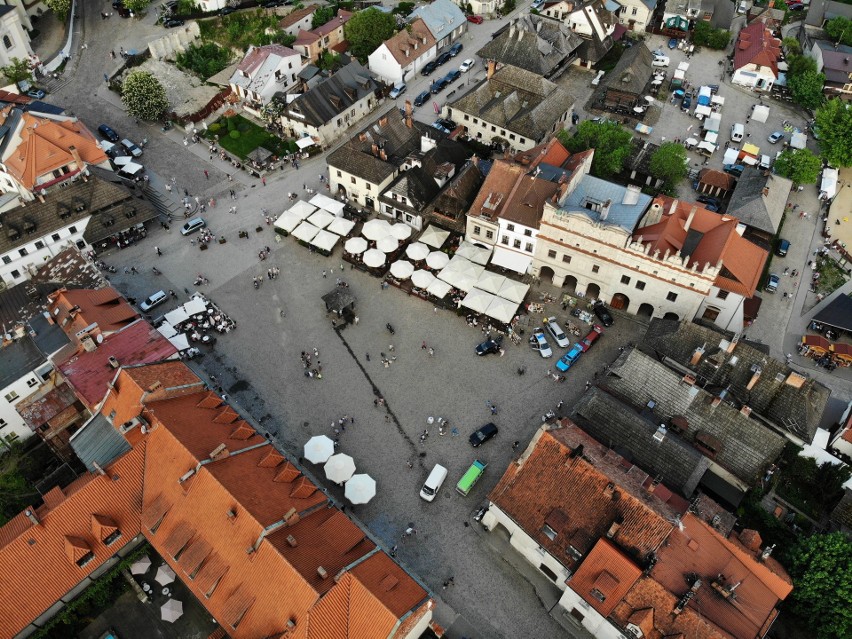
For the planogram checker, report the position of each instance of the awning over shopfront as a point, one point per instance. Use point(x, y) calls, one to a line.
point(511, 260)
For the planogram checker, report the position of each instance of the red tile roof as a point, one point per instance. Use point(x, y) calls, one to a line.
point(410, 43)
point(89, 372)
point(756, 45)
point(343, 16)
point(104, 307)
point(35, 569)
point(258, 55)
point(607, 572)
point(298, 14)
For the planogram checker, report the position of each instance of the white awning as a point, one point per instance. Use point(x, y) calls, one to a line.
point(302, 209)
point(287, 221)
point(708, 146)
point(703, 110)
point(477, 300)
point(511, 260)
point(324, 240)
point(731, 156)
point(438, 288)
point(474, 253)
point(490, 282)
point(179, 341)
point(195, 306)
point(501, 309)
point(748, 160)
point(166, 330)
point(434, 237)
point(513, 290)
point(305, 232)
point(828, 185)
point(176, 316)
point(341, 226)
point(304, 143)
point(321, 219)
point(329, 204)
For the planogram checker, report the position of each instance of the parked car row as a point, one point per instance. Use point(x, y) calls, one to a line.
point(570, 358)
point(442, 59)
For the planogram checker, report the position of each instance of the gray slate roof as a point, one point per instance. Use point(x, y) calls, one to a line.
point(98, 442)
point(632, 72)
point(759, 210)
point(780, 396)
point(518, 101)
point(19, 358)
point(49, 336)
point(418, 184)
point(333, 96)
point(838, 313)
point(821, 11)
point(535, 43)
point(441, 16)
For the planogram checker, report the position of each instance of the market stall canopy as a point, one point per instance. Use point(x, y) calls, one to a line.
point(374, 258)
point(305, 142)
point(421, 278)
point(418, 251)
point(339, 468)
point(490, 282)
point(502, 310)
point(711, 137)
point(843, 351)
point(321, 219)
point(717, 99)
point(305, 232)
point(287, 221)
point(437, 259)
point(474, 253)
point(434, 237)
point(731, 156)
point(760, 113)
point(751, 149)
point(401, 231)
point(708, 146)
point(360, 489)
point(176, 316)
point(816, 343)
point(179, 341)
point(324, 240)
point(376, 229)
point(438, 288)
point(195, 305)
point(828, 186)
point(171, 611)
point(329, 204)
point(513, 290)
point(838, 313)
point(703, 110)
point(338, 300)
point(402, 269)
point(167, 330)
point(477, 300)
point(690, 142)
point(355, 245)
point(318, 449)
point(798, 140)
point(302, 209)
point(387, 244)
point(341, 226)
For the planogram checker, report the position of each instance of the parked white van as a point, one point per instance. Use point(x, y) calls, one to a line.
point(558, 334)
point(433, 483)
point(737, 132)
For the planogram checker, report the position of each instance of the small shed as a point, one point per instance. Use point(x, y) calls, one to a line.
point(340, 300)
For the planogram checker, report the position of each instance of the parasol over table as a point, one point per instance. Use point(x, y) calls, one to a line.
point(437, 259)
point(401, 231)
point(165, 575)
point(141, 566)
point(376, 229)
point(402, 269)
point(171, 611)
point(387, 244)
point(422, 279)
point(417, 251)
point(339, 468)
point(360, 489)
point(374, 258)
point(355, 245)
point(318, 449)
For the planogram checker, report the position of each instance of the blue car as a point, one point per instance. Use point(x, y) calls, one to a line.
point(570, 358)
point(673, 43)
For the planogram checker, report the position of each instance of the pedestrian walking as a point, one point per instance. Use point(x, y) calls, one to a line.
point(324, 274)
point(158, 251)
point(230, 178)
point(263, 181)
point(390, 347)
point(423, 346)
point(515, 444)
point(431, 352)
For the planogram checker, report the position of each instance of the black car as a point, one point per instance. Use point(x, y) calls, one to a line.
point(429, 67)
point(108, 134)
point(603, 315)
point(706, 199)
point(447, 124)
point(117, 4)
point(439, 85)
point(443, 58)
point(483, 435)
point(227, 10)
point(489, 346)
point(421, 99)
point(452, 76)
point(174, 22)
point(456, 49)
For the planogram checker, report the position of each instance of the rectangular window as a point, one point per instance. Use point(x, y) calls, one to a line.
point(566, 259)
point(85, 559)
point(352, 179)
point(72, 229)
point(671, 297)
point(15, 274)
point(528, 232)
point(493, 129)
point(510, 227)
point(369, 188)
point(635, 11)
point(39, 245)
point(551, 254)
point(22, 252)
point(640, 285)
point(3, 422)
point(338, 174)
point(466, 117)
point(32, 382)
point(516, 244)
point(489, 235)
point(597, 594)
point(7, 259)
point(722, 295)
point(504, 240)
point(477, 230)
point(112, 538)
point(511, 136)
point(549, 532)
point(528, 247)
point(595, 268)
point(625, 279)
point(11, 396)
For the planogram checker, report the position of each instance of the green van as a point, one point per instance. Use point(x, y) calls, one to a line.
point(469, 479)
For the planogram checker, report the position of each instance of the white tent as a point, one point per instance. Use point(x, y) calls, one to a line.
point(717, 99)
point(302, 209)
point(321, 219)
point(287, 221)
point(828, 185)
point(798, 140)
point(437, 259)
point(402, 269)
point(708, 146)
point(176, 316)
point(167, 330)
point(355, 245)
point(328, 204)
point(305, 142)
point(421, 278)
point(417, 251)
point(195, 305)
point(171, 611)
point(476, 254)
point(339, 468)
point(749, 160)
point(180, 341)
point(401, 231)
point(305, 232)
point(513, 290)
point(731, 156)
point(387, 244)
point(324, 240)
point(318, 449)
point(360, 489)
point(376, 229)
point(434, 237)
point(438, 288)
point(501, 309)
point(703, 110)
point(477, 300)
point(374, 258)
point(490, 282)
point(760, 113)
point(341, 226)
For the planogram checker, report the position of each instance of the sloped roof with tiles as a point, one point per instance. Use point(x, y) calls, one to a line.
point(759, 199)
point(332, 96)
point(604, 577)
point(537, 44)
point(257, 71)
point(706, 239)
point(78, 308)
point(756, 45)
point(441, 16)
point(575, 485)
point(19, 358)
point(632, 72)
point(33, 557)
point(496, 189)
point(779, 394)
point(89, 372)
point(410, 43)
point(297, 14)
point(719, 179)
point(627, 205)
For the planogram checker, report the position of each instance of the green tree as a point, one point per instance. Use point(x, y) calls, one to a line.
point(60, 7)
point(17, 70)
point(706, 36)
point(16, 493)
point(821, 569)
point(792, 45)
point(839, 29)
point(144, 96)
point(799, 165)
point(366, 30)
point(321, 16)
point(205, 59)
point(507, 7)
point(833, 121)
point(403, 9)
point(669, 164)
point(137, 6)
point(610, 142)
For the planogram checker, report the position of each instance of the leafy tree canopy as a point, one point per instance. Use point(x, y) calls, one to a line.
point(60, 7)
point(821, 568)
point(366, 30)
point(833, 121)
point(137, 6)
point(799, 165)
point(792, 45)
point(205, 59)
point(321, 16)
point(610, 142)
point(144, 96)
point(17, 70)
point(403, 9)
point(706, 36)
point(669, 164)
point(804, 82)
point(839, 29)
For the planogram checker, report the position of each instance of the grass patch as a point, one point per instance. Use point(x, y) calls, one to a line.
point(251, 136)
point(831, 276)
point(239, 30)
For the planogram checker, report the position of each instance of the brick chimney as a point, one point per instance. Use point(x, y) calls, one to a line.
point(76, 155)
point(492, 65)
point(408, 120)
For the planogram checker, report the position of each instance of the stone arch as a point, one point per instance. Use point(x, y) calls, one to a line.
point(620, 302)
point(672, 316)
point(645, 310)
point(546, 273)
point(593, 291)
point(570, 283)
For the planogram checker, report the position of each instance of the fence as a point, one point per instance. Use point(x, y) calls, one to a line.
point(217, 101)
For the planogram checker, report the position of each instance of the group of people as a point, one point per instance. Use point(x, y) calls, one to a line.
point(311, 371)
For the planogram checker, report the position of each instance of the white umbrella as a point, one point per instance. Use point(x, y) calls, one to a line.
point(339, 468)
point(374, 258)
point(513, 290)
point(434, 237)
point(502, 309)
point(417, 251)
point(360, 489)
point(171, 611)
point(140, 567)
point(319, 449)
point(387, 244)
point(402, 269)
point(437, 259)
point(165, 575)
point(421, 278)
point(477, 300)
point(438, 288)
point(401, 231)
point(490, 281)
point(355, 245)
point(321, 219)
point(376, 229)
